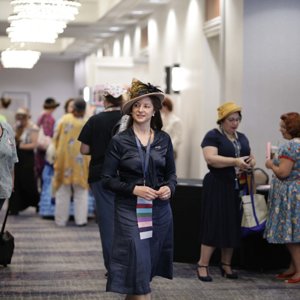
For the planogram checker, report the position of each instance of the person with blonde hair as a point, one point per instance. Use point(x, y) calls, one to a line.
point(25, 192)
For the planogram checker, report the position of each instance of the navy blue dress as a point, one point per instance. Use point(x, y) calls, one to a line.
point(220, 206)
point(134, 262)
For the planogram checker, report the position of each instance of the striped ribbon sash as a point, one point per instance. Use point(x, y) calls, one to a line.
point(144, 217)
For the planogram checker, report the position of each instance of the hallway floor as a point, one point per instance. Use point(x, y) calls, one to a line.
point(51, 262)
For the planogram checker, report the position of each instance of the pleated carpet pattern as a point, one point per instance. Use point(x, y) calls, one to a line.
point(51, 262)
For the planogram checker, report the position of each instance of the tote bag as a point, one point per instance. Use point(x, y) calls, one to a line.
point(43, 141)
point(254, 210)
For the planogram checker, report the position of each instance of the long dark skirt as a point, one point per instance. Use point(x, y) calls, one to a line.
point(134, 261)
point(220, 212)
point(25, 189)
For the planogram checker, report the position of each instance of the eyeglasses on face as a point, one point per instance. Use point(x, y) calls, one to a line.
point(231, 120)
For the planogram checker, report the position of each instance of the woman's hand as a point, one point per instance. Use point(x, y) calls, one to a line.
point(164, 193)
point(145, 192)
point(243, 163)
point(251, 161)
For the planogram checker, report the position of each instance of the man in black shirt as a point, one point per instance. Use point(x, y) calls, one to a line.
point(95, 137)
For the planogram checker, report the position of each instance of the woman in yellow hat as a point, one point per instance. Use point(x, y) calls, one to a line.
point(140, 168)
point(227, 153)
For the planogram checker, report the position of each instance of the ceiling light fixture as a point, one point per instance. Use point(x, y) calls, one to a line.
point(40, 21)
point(22, 59)
point(116, 28)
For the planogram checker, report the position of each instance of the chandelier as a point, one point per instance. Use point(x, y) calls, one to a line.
point(40, 21)
point(23, 59)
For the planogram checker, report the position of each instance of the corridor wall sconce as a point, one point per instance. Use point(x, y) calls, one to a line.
point(174, 79)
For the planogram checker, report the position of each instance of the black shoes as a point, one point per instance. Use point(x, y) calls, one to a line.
point(206, 278)
point(232, 275)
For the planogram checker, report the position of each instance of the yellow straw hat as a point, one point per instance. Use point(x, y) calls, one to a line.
point(226, 109)
point(140, 90)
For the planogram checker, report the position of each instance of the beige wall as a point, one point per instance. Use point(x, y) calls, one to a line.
point(176, 36)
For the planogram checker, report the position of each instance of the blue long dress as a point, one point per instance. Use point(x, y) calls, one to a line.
point(220, 224)
point(134, 262)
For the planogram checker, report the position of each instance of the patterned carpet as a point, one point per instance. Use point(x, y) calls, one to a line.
point(66, 263)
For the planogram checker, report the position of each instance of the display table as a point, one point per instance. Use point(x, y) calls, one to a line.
point(254, 253)
point(186, 213)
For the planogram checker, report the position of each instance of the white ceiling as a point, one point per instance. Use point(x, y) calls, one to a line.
point(87, 33)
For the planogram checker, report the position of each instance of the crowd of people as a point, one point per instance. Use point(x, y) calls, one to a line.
point(129, 165)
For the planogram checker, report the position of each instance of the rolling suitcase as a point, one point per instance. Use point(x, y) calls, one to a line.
point(7, 244)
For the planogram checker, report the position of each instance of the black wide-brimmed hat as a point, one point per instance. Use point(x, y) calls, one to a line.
point(50, 103)
point(139, 90)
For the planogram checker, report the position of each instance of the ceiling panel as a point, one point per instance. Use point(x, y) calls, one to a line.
point(87, 32)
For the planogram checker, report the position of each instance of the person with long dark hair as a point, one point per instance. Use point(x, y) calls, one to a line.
point(139, 167)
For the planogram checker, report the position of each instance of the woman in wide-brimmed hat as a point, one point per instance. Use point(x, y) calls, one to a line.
point(46, 122)
point(227, 153)
point(139, 167)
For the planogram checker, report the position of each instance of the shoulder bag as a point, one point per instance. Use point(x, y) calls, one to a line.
point(254, 210)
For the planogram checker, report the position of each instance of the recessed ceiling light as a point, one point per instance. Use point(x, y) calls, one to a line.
point(115, 28)
point(128, 21)
point(105, 34)
point(158, 1)
point(140, 12)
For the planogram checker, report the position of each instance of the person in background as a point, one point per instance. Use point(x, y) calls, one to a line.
point(94, 138)
point(25, 189)
point(46, 200)
point(171, 124)
point(139, 167)
point(70, 168)
point(46, 121)
point(227, 153)
point(8, 158)
point(283, 222)
point(6, 112)
point(69, 104)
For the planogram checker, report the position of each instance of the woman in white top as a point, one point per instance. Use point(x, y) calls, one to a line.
point(171, 124)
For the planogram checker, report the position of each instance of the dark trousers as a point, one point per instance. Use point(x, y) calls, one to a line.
point(104, 200)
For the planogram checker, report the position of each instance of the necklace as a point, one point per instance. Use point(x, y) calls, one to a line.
point(234, 139)
point(231, 137)
point(143, 136)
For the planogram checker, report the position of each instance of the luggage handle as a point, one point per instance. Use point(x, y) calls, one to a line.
point(3, 225)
